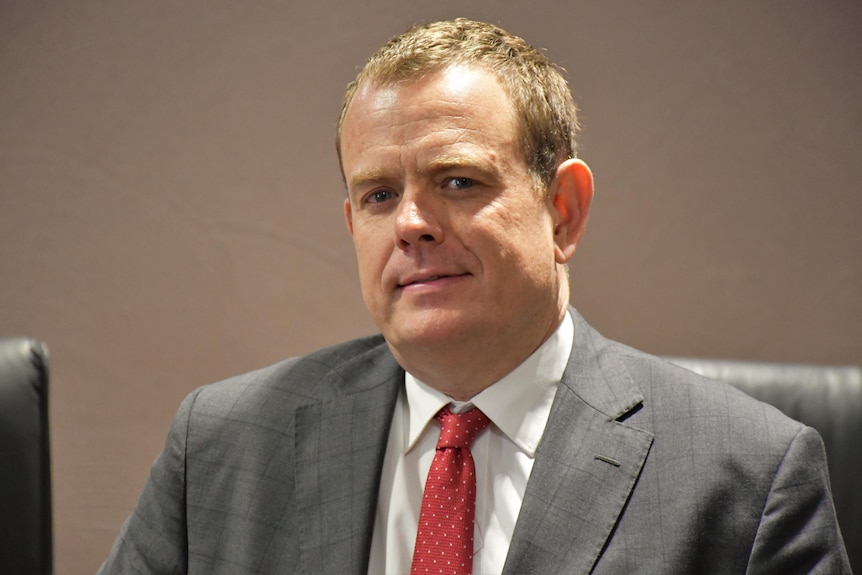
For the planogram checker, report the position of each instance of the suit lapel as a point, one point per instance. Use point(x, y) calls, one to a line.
point(340, 444)
point(585, 469)
point(586, 466)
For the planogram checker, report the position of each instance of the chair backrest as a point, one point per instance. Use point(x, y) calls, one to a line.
point(26, 543)
point(827, 398)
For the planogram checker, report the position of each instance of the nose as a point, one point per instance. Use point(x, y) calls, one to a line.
point(416, 221)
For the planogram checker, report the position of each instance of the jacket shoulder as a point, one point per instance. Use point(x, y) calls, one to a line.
point(295, 381)
point(675, 389)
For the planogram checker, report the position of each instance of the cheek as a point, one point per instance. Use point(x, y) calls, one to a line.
point(372, 255)
point(519, 234)
point(368, 236)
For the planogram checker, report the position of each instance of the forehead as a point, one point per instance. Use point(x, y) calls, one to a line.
point(456, 77)
point(456, 106)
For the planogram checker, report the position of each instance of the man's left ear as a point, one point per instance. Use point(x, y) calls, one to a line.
point(572, 195)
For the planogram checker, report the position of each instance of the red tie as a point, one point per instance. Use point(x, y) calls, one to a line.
point(444, 541)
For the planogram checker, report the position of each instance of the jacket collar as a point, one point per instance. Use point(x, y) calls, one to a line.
point(570, 510)
point(340, 445)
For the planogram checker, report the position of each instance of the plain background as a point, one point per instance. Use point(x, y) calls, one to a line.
point(171, 206)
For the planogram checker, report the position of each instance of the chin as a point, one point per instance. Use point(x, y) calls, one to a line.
point(429, 328)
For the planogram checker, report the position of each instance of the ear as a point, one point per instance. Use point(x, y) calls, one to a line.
point(572, 194)
point(348, 216)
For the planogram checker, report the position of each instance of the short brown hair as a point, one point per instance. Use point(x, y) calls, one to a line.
point(543, 105)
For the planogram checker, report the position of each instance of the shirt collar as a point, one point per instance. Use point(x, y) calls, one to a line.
point(519, 404)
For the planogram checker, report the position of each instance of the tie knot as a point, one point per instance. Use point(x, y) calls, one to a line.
point(459, 429)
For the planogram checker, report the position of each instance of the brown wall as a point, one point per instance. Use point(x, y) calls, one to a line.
point(170, 204)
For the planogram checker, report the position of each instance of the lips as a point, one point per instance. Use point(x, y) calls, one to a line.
point(425, 278)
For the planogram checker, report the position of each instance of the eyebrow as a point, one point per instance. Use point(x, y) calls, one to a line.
point(438, 164)
point(364, 177)
point(442, 163)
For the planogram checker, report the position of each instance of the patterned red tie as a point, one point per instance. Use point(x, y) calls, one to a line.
point(444, 541)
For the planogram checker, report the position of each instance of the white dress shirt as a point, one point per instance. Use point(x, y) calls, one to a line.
point(518, 406)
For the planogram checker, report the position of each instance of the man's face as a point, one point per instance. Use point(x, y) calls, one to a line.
point(455, 244)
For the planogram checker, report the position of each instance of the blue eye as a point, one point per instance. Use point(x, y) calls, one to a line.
point(379, 196)
point(460, 183)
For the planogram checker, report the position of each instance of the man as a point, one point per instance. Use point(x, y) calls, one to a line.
point(465, 202)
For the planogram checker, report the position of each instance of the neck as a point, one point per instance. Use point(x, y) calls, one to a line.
point(462, 369)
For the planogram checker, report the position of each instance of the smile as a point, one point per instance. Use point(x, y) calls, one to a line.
point(430, 279)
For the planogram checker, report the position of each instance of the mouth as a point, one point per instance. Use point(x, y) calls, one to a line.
point(418, 280)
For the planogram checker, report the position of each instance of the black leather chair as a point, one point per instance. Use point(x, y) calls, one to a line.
point(829, 399)
point(26, 543)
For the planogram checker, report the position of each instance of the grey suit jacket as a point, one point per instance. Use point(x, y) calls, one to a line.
point(643, 468)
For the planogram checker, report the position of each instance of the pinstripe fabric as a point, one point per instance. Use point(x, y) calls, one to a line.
point(643, 468)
